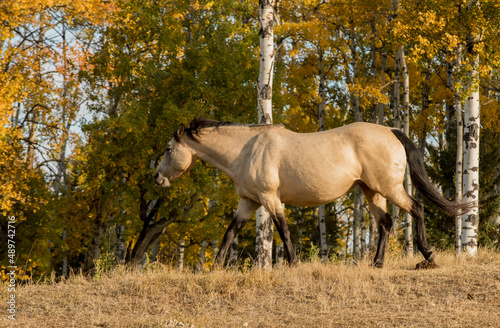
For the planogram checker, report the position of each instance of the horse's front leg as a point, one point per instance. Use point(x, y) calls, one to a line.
point(275, 209)
point(244, 212)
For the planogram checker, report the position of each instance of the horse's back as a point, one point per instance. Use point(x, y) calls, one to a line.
point(315, 168)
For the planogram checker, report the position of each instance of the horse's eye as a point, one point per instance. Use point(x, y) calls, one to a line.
point(168, 150)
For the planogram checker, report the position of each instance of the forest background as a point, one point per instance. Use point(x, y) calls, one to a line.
point(91, 91)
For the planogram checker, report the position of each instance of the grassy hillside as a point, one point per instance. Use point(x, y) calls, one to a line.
point(462, 292)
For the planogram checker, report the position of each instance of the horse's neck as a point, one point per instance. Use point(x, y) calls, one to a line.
point(221, 147)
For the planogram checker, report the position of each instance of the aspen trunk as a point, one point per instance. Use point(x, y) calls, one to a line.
point(470, 220)
point(406, 126)
point(121, 249)
point(396, 118)
point(215, 247)
point(358, 196)
point(280, 252)
point(154, 250)
point(264, 226)
point(356, 226)
point(94, 250)
point(372, 246)
point(233, 253)
point(362, 239)
point(377, 118)
point(201, 262)
point(381, 106)
point(396, 92)
point(458, 170)
point(321, 123)
point(422, 143)
point(180, 253)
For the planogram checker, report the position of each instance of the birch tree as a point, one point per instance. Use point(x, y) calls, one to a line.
point(470, 221)
point(459, 166)
point(264, 225)
point(406, 126)
point(358, 219)
point(395, 104)
point(321, 121)
point(180, 253)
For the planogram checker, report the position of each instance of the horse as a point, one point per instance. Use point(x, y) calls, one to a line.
point(271, 166)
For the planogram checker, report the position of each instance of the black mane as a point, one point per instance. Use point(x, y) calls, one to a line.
point(198, 124)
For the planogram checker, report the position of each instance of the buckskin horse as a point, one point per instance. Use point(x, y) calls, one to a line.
point(271, 165)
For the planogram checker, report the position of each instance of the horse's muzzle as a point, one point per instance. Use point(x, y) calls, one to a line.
point(161, 180)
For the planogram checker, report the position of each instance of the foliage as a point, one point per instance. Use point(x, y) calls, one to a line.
point(91, 91)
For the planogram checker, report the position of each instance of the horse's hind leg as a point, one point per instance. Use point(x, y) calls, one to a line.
point(275, 208)
point(244, 212)
point(378, 206)
point(415, 207)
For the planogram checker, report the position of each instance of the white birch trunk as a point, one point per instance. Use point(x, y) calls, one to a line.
point(280, 252)
point(397, 93)
point(356, 226)
point(180, 253)
point(406, 126)
point(395, 103)
point(470, 221)
point(396, 120)
point(215, 247)
point(321, 123)
point(362, 240)
point(264, 226)
point(154, 251)
point(233, 253)
point(458, 170)
point(381, 106)
point(358, 196)
point(121, 248)
point(471, 161)
point(201, 262)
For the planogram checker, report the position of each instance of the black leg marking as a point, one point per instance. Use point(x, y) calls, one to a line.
point(384, 228)
point(417, 211)
point(284, 232)
point(234, 227)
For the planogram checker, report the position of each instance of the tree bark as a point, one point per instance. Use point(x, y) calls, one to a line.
point(94, 250)
point(151, 230)
point(383, 72)
point(321, 123)
point(121, 249)
point(358, 117)
point(280, 253)
point(264, 226)
point(201, 262)
point(422, 143)
point(472, 125)
point(180, 253)
point(459, 161)
point(396, 117)
point(396, 92)
point(233, 253)
point(406, 126)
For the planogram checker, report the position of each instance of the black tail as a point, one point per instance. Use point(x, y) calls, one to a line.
point(423, 183)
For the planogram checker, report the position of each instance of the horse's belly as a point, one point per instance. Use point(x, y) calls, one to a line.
point(305, 193)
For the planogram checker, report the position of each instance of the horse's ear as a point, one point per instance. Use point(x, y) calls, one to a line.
point(181, 129)
point(179, 132)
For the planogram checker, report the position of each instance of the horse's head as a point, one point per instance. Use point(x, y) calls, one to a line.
point(177, 159)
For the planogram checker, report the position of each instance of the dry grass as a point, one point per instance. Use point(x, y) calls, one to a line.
point(462, 292)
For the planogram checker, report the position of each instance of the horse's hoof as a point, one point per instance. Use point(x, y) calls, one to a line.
point(426, 265)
